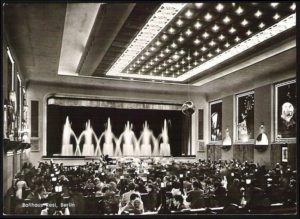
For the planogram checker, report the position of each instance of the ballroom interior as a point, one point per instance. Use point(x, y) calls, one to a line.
point(164, 93)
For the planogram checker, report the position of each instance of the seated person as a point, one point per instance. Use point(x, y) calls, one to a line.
point(194, 196)
point(151, 202)
point(135, 205)
point(126, 195)
point(178, 203)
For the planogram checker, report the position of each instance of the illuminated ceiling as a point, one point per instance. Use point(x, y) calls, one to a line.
point(169, 42)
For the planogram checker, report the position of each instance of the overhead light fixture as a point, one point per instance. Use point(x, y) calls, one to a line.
point(215, 28)
point(197, 41)
point(161, 55)
point(274, 4)
point(226, 20)
point(239, 10)
point(237, 39)
point(189, 14)
point(196, 53)
point(179, 22)
point(258, 14)
point(143, 57)
point(293, 6)
point(167, 50)
point(232, 30)
point(152, 48)
point(276, 16)
point(220, 7)
point(249, 32)
point(244, 22)
point(171, 30)
point(177, 65)
point(212, 43)
point(209, 55)
point(196, 63)
point(156, 59)
point(208, 16)
point(147, 53)
point(197, 25)
point(182, 52)
point(174, 45)
point(227, 45)
point(218, 50)
point(188, 32)
point(261, 25)
point(180, 39)
point(182, 62)
point(205, 35)
point(202, 59)
point(158, 43)
point(198, 5)
point(164, 37)
point(221, 37)
point(203, 48)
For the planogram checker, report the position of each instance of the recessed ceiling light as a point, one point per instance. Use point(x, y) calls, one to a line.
point(178, 73)
point(197, 41)
point(202, 59)
point(188, 58)
point(159, 67)
point(196, 63)
point(215, 28)
point(179, 22)
point(180, 39)
point(189, 66)
point(232, 30)
point(164, 64)
point(276, 16)
point(293, 6)
point(151, 62)
point(171, 30)
point(158, 43)
point(147, 66)
point(196, 53)
point(161, 55)
point(220, 7)
point(183, 69)
point(177, 65)
point(244, 22)
point(208, 17)
point(197, 25)
point(164, 37)
point(239, 10)
point(261, 25)
point(258, 14)
point(198, 5)
point(156, 59)
point(182, 52)
point(226, 20)
point(152, 48)
point(274, 4)
point(227, 45)
point(205, 35)
point(147, 53)
point(221, 37)
point(167, 50)
point(172, 68)
point(143, 58)
point(209, 55)
point(249, 32)
point(182, 62)
point(188, 32)
point(212, 43)
point(174, 45)
point(189, 14)
point(237, 39)
point(138, 61)
point(170, 61)
point(203, 48)
point(218, 50)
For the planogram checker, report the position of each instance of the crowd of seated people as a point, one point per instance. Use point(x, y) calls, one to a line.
point(137, 188)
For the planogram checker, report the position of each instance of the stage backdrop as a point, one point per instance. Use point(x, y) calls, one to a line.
point(166, 127)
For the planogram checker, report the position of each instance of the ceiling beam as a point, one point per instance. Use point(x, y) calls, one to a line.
point(108, 23)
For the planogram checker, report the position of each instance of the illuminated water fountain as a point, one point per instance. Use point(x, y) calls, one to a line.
point(145, 141)
point(164, 146)
point(130, 141)
point(67, 148)
point(88, 134)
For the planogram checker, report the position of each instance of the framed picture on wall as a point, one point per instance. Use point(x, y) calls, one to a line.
point(285, 111)
point(245, 117)
point(284, 154)
point(35, 145)
point(215, 112)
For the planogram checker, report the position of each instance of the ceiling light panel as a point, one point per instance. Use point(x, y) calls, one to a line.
point(205, 35)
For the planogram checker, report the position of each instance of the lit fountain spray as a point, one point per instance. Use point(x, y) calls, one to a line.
point(145, 140)
point(88, 134)
point(108, 146)
point(130, 141)
point(67, 148)
point(164, 146)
